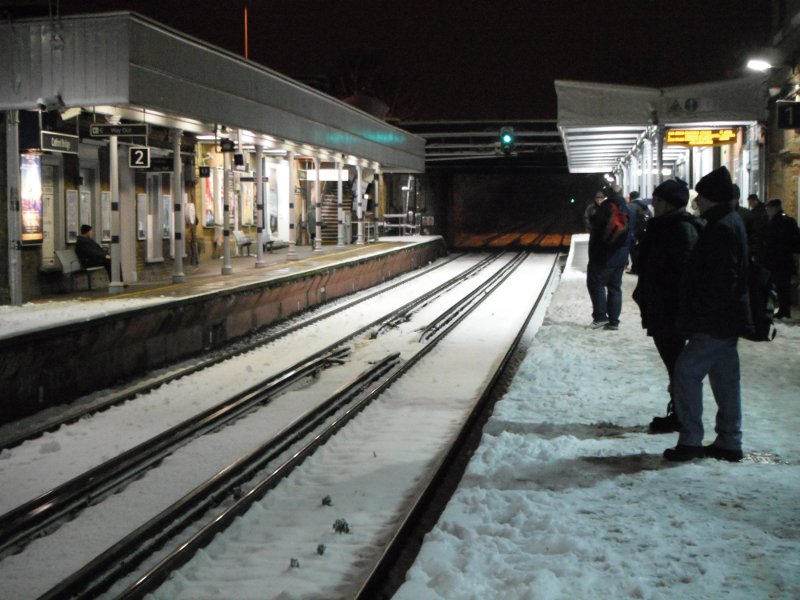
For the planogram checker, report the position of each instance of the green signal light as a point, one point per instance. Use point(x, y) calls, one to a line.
point(507, 140)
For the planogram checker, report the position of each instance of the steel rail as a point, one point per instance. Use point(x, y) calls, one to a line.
point(150, 581)
point(374, 585)
point(405, 312)
point(31, 518)
point(127, 554)
point(236, 349)
point(475, 295)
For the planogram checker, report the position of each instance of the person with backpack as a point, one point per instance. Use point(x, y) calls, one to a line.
point(641, 215)
point(664, 252)
point(782, 241)
point(609, 242)
point(714, 311)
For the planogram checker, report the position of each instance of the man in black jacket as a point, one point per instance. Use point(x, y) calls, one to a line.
point(608, 255)
point(664, 252)
point(757, 236)
point(90, 253)
point(641, 215)
point(782, 241)
point(714, 312)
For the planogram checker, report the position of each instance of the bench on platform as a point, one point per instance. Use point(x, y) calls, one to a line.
point(242, 241)
point(71, 265)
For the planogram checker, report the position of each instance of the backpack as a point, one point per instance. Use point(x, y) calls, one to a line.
point(763, 300)
point(616, 230)
point(643, 216)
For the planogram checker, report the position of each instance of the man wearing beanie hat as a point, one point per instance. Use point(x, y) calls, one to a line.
point(664, 251)
point(714, 312)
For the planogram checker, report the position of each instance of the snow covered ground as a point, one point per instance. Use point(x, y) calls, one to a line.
point(568, 496)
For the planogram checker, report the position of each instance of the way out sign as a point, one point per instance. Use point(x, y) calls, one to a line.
point(139, 157)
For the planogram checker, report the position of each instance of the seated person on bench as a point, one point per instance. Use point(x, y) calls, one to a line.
point(90, 253)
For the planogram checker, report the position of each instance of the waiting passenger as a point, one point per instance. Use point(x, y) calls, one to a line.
point(714, 312)
point(591, 208)
point(608, 255)
point(757, 238)
point(782, 241)
point(664, 252)
point(90, 253)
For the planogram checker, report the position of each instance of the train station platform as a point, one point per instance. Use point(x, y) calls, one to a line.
point(62, 347)
point(567, 494)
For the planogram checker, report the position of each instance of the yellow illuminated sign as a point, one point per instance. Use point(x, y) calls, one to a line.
point(701, 137)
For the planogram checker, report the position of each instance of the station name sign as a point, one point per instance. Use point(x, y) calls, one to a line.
point(701, 137)
point(59, 142)
point(108, 129)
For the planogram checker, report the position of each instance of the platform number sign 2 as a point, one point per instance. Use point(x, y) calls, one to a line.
point(139, 157)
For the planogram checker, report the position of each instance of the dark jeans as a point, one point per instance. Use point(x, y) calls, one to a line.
point(605, 289)
point(719, 359)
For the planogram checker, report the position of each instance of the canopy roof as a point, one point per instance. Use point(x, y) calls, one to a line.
point(600, 123)
point(140, 69)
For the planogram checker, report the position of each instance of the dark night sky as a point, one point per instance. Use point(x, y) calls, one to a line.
point(476, 59)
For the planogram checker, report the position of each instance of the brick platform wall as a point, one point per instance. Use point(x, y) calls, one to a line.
point(45, 368)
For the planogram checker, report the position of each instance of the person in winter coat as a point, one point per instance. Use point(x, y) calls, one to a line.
point(591, 208)
point(311, 224)
point(714, 311)
point(641, 216)
point(664, 253)
point(782, 241)
point(608, 256)
point(757, 236)
point(90, 253)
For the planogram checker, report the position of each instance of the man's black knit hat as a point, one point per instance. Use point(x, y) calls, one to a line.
point(716, 186)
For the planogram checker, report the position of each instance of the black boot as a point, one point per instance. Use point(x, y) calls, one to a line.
point(666, 424)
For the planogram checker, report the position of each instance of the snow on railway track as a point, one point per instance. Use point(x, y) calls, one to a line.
point(114, 517)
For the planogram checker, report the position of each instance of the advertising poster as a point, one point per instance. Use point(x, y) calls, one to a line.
point(85, 209)
point(166, 216)
point(141, 216)
point(48, 221)
point(219, 179)
point(105, 215)
point(248, 204)
point(208, 202)
point(31, 199)
point(72, 216)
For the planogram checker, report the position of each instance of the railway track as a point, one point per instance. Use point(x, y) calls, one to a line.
point(144, 385)
point(351, 398)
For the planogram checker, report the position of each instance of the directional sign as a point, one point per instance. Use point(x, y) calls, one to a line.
point(139, 157)
point(107, 129)
point(788, 114)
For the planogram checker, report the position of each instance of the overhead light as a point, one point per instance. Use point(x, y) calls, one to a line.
point(758, 64)
point(274, 152)
point(70, 113)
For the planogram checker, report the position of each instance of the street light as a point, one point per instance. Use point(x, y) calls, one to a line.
point(758, 64)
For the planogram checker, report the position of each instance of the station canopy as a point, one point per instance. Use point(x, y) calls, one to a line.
point(129, 66)
point(602, 123)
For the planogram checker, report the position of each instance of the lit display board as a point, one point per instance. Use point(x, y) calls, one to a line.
point(701, 137)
